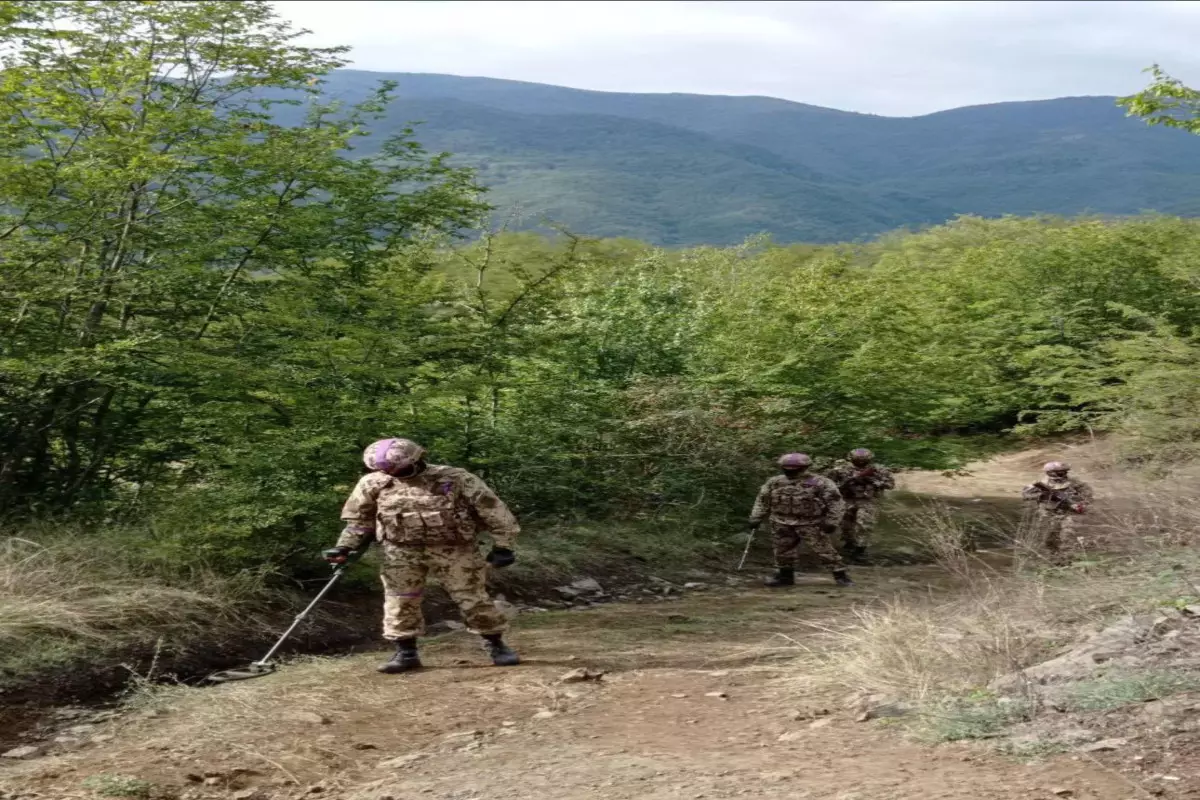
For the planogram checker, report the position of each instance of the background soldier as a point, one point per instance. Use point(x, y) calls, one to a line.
point(801, 508)
point(425, 518)
point(1060, 500)
point(862, 483)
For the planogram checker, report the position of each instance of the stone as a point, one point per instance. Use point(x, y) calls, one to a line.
point(695, 586)
point(587, 586)
point(885, 710)
point(718, 695)
point(25, 751)
point(306, 717)
point(1115, 645)
point(545, 714)
point(567, 591)
point(246, 794)
point(581, 675)
point(824, 722)
point(1104, 744)
point(790, 736)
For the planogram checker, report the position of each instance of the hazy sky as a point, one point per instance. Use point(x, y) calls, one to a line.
point(896, 58)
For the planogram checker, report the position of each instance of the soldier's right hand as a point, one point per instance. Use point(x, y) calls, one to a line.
point(337, 555)
point(754, 526)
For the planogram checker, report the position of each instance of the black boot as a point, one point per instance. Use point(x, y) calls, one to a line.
point(784, 576)
point(405, 659)
point(502, 655)
point(841, 578)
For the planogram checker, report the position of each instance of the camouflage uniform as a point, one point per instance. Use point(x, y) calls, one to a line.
point(1058, 504)
point(798, 510)
point(862, 489)
point(428, 524)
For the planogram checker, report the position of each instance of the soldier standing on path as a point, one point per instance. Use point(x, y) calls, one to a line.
point(425, 518)
point(1060, 501)
point(801, 508)
point(862, 483)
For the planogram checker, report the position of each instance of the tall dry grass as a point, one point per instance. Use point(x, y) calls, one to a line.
point(996, 613)
point(62, 596)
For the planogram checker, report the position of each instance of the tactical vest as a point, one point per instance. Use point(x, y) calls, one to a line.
point(422, 513)
point(796, 500)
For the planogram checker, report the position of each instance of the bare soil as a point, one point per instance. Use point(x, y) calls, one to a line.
point(703, 696)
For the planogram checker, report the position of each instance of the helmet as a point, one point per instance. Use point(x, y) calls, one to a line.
point(1053, 467)
point(389, 455)
point(795, 461)
point(861, 454)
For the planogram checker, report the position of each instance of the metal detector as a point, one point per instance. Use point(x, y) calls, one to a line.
point(264, 666)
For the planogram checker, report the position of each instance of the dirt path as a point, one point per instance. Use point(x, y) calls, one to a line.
point(705, 696)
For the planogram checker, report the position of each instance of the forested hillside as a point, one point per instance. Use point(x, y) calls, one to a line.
point(693, 169)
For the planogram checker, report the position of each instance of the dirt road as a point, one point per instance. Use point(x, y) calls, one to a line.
point(709, 695)
point(702, 698)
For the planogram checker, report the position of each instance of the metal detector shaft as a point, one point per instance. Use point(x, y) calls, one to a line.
point(337, 573)
point(746, 552)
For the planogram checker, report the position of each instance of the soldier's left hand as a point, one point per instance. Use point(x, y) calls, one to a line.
point(501, 557)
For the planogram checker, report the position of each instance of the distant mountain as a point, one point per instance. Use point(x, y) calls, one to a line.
point(686, 169)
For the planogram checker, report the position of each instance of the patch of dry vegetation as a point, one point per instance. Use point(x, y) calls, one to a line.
point(1011, 610)
point(67, 597)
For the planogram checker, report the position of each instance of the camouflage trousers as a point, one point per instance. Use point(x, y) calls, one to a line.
point(858, 522)
point(1057, 535)
point(461, 571)
point(788, 538)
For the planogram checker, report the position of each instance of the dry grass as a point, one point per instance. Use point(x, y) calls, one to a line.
point(68, 596)
point(1009, 611)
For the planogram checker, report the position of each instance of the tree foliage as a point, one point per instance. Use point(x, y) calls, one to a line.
point(152, 212)
point(207, 313)
point(1167, 102)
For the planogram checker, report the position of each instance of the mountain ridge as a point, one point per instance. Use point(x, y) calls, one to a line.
point(679, 168)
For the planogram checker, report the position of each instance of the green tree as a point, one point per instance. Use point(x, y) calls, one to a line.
point(153, 207)
point(1166, 101)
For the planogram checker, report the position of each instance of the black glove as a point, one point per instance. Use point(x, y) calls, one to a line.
point(755, 526)
point(338, 555)
point(501, 557)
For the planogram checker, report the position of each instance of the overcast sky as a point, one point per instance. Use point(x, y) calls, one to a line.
point(896, 58)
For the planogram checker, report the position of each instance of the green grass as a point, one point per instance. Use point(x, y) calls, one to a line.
point(983, 718)
point(119, 786)
point(1115, 691)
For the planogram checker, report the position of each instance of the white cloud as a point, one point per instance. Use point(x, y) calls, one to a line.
point(880, 57)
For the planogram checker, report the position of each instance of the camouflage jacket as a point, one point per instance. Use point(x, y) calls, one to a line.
point(442, 505)
point(868, 483)
point(807, 500)
point(1059, 497)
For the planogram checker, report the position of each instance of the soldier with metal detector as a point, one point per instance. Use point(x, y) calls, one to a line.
point(801, 509)
point(426, 518)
